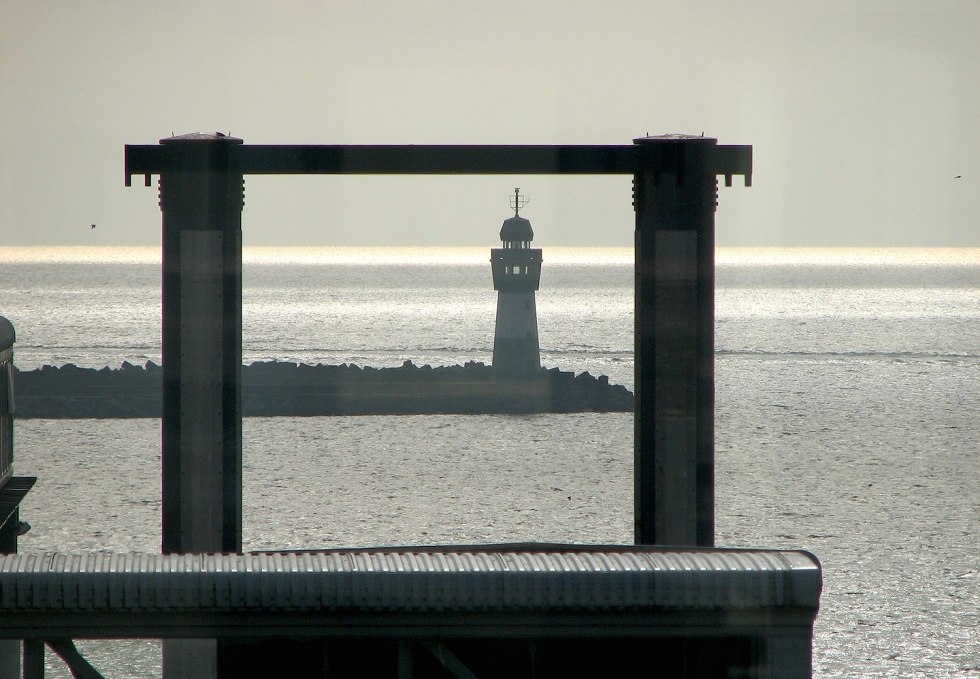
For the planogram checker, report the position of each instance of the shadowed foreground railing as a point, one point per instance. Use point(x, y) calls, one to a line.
point(544, 608)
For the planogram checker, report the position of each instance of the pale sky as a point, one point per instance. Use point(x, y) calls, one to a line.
point(860, 112)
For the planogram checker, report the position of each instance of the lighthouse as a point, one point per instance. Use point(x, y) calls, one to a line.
point(516, 273)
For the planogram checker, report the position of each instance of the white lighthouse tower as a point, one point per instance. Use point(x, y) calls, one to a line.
point(516, 274)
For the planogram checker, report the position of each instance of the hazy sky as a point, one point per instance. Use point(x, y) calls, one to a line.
point(861, 112)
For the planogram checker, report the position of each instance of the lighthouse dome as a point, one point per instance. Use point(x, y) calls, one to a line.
point(516, 228)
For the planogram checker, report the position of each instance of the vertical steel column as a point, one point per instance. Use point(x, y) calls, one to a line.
point(10, 649)
point(33, 659)
point(201, 197)
point(674, 344)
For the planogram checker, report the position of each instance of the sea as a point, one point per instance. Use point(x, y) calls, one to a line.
point(847, 410)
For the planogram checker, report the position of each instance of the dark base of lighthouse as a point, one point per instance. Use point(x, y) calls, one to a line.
point(515, 358)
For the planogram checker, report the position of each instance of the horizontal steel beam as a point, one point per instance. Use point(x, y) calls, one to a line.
point(342, 624)
point(148, 160)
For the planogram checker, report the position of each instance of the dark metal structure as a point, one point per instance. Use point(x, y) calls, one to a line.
point(508, 610)
point(13, 489)
point(7, 338)
point(675, 180)
point(201, 196)
point(675, 342)
point(201, 199)
point(659, 155)
point(489, 611)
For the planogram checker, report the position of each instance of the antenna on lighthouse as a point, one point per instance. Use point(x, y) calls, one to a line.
point(518, 201)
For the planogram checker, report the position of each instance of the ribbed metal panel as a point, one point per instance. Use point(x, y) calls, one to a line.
point(411, 580)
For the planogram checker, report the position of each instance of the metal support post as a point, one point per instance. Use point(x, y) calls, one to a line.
point(201, 197)
point(789, 654)
point(674, 352)
point(404, 659)
point(10, 649)
point(11, 527)
point(33, 659)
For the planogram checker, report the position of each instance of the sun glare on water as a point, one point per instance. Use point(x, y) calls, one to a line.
point(436, 256)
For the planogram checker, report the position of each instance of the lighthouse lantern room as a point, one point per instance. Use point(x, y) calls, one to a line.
point(516, 274)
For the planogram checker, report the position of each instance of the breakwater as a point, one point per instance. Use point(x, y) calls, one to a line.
point(289, 389)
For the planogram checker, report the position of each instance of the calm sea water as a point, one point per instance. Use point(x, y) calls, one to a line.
point(848, 394)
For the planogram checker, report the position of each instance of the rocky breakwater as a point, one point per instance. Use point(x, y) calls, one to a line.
point(290, 389)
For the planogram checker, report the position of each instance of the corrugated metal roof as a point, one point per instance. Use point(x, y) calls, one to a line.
point(413, 579)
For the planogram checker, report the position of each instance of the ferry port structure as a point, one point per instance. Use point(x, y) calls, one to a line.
point(752, 611)
point(674, 198)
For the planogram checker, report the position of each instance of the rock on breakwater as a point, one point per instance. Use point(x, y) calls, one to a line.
point(289, 389)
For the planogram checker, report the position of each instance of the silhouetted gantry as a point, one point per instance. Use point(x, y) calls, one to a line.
point(692, 610)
